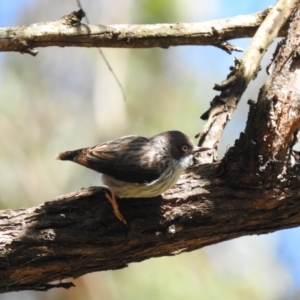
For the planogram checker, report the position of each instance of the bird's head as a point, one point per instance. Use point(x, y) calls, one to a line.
point(179, 146)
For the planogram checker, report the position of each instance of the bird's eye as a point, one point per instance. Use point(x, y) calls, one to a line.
point(184, 148)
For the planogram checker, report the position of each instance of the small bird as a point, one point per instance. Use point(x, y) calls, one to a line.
point(136, 166)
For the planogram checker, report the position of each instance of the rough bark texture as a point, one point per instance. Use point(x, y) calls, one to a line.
point(232, 89)
point(78, 233)
point(264, 150)
point(254, 190)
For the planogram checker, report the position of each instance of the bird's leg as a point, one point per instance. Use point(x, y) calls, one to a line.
point(112, 200)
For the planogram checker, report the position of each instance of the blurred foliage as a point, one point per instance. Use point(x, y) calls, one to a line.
point(65, 99)
point(157, 11)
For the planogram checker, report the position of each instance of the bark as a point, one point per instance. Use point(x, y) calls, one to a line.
point(253, 190)
point(78, 233)
point(70, 32)
point(232, 89)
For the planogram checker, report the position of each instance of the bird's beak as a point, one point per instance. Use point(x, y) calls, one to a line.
point(200, 149)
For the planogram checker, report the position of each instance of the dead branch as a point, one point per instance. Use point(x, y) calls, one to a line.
point(70, 32)
point(232, 89)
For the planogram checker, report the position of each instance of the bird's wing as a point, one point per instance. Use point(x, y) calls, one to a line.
point(130, 159)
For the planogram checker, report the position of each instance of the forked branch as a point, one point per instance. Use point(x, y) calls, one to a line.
point(232, 89)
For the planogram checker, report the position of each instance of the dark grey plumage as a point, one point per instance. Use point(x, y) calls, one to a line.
point(137, 166)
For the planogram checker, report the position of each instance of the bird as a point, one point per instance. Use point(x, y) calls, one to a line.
point(137, 166)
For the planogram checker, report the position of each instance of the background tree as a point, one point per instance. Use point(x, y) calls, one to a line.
point(45, 134)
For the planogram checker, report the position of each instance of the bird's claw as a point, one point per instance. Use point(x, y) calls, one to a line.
point(112, 200)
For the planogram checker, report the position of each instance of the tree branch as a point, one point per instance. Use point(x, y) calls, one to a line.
point(232, 89)
point(273, 121)
point(70, 32)
point(78, 233)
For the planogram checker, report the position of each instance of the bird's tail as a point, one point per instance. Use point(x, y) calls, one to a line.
point(78, 156)
point(75, 155)
point(68, 155)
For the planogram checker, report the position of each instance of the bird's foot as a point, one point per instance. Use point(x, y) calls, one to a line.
point(112, 200)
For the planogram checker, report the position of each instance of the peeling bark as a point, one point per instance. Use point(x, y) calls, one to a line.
point(264, 150)
point(232, 89)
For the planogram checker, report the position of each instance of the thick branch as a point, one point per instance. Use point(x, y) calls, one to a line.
point(78, 233)
point(70, 32)
point(273, 121)
point(233, 88)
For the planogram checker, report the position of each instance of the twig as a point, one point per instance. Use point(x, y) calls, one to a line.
point(105, 59)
